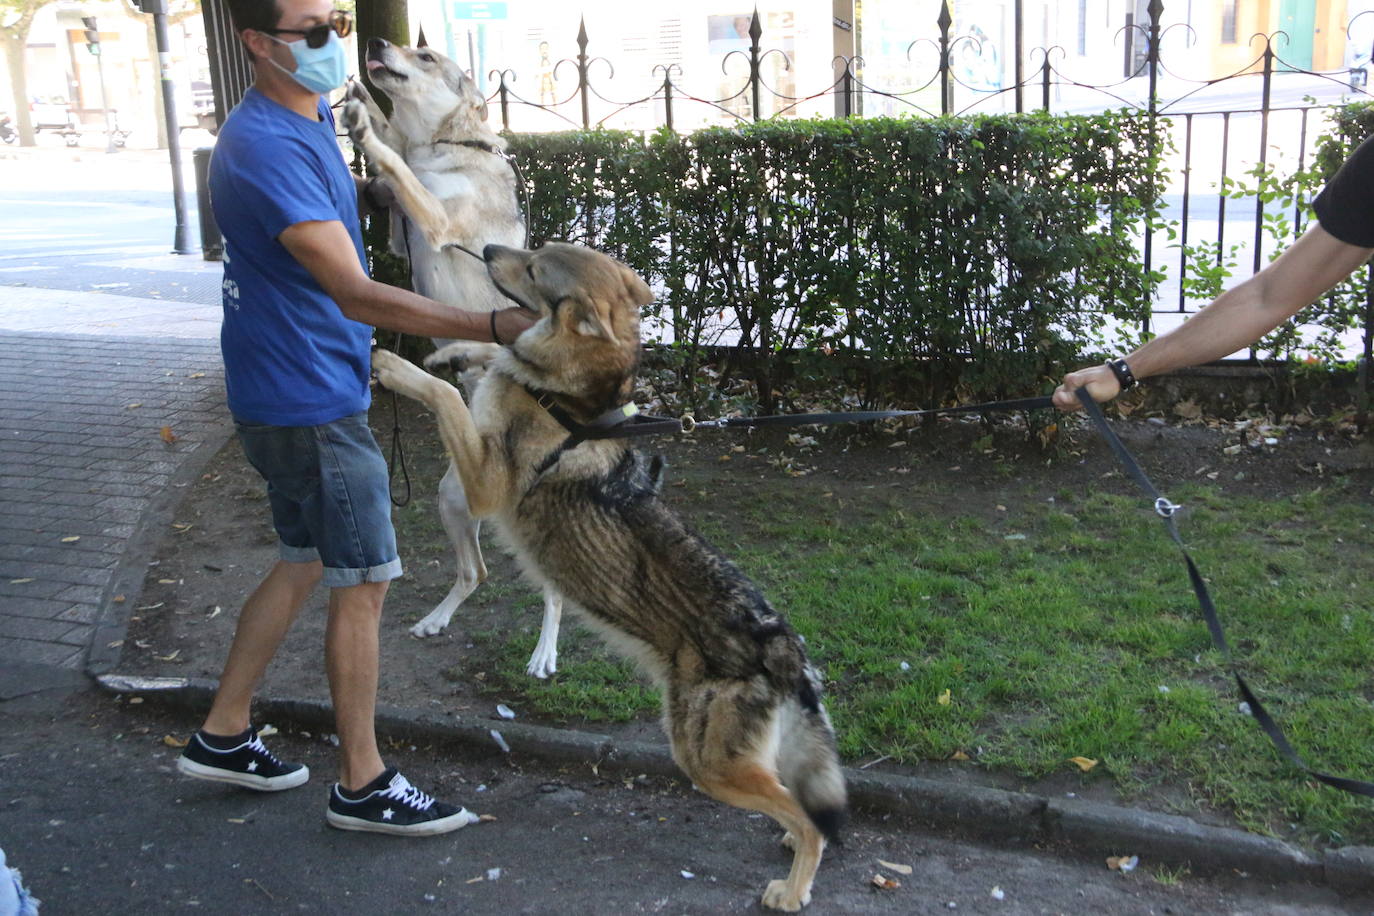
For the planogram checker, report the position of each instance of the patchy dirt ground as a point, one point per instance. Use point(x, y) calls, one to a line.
point(221, 541)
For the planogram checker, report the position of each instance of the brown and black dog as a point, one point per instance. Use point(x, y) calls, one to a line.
point(741, 702)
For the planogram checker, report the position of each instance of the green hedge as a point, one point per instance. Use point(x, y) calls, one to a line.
point(956, 257)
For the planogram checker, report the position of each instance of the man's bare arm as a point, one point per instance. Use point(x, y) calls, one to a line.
point(1237, 318)
point(326, 250)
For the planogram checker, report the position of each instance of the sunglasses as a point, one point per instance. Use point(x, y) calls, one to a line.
point(317, 36)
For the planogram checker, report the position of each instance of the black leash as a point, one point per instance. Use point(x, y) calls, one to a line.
point(398, 452)
point(1166, 509)
point(626, 422)
point(866, 416)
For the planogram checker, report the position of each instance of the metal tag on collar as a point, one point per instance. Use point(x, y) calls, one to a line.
point(1165, 508)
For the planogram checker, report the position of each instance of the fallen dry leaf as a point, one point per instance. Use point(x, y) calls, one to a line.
point(485, 818)
point(118, 599)
point(886, 883)
point(893, 866)
point(20, 581)
point(173, 741)
point(1188, 410)
point(167, 435)
point(959, 755)
point(1083, 763)
point(1123, 864)
point(71, 540)
point(196, 375)
point(133, 405)
point(943, 699)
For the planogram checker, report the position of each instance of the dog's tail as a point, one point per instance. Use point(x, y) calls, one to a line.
point(808, 764)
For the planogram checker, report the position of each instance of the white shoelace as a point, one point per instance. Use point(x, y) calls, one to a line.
point(401, 790)
point(257, 745)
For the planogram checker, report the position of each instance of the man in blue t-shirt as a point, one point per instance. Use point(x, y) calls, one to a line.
point(1339, 241)
point(299, 308)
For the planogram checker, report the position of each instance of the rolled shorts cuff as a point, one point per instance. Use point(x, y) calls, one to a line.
point(343, 578)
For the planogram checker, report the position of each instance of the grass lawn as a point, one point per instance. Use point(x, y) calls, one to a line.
point(1012, 628)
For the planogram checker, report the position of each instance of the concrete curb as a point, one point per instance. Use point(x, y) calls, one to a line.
point(112, 624)
point(1014, 818)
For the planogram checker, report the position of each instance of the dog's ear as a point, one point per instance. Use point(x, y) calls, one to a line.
point(590, 317)
point(635, 288)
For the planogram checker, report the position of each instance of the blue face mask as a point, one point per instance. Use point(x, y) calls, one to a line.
point(321, 69)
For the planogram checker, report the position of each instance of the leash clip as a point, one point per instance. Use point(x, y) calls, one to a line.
point(1165, 508)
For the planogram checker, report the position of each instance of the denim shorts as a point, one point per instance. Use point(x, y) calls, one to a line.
point(330, 495)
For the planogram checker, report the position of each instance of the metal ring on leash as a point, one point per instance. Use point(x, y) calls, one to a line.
point(1165, 508)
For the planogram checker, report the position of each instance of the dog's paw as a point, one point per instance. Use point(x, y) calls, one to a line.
point(395, 373)
point(461, 356)
point(357, 121)
point(427, 628)
point(779, 896)
point(356, 90)
point(543, 663)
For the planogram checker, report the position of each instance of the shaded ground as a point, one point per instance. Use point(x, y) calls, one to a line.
point(562, 840)
point(222, 542)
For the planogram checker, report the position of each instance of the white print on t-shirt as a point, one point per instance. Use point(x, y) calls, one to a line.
point(231, 289)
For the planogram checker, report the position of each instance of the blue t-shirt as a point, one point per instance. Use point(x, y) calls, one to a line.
point(291, 358)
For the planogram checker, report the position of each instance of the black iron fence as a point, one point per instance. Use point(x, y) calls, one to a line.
point(1218, 137)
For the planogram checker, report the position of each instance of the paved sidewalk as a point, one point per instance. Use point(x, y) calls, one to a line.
point(108, 406)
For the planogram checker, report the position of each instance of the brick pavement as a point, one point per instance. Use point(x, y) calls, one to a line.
point(87, 482)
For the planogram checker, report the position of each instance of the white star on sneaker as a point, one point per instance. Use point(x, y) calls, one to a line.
point(388, 814)
point(253, 766)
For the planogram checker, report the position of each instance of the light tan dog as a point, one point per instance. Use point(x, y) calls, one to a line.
point(445, 166)
point(741, 703)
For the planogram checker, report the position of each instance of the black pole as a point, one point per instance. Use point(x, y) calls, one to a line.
point(181, 243)
point(946, 89)
point(1019, 40)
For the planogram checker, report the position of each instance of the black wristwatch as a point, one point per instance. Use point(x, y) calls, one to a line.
point(1124, 377)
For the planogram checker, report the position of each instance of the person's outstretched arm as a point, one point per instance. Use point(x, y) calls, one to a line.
point(1237, 318)
point(326, 250)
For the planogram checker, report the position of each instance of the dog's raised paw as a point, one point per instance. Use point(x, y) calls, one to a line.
point(461, 356)
point(356, 90)
point(395, 373)
point(357, 121)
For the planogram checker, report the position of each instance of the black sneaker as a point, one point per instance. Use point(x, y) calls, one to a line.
point(392, 805)
point(249, 764)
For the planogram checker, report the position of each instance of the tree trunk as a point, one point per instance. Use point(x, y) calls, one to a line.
point(14, 43)
point(381, 19)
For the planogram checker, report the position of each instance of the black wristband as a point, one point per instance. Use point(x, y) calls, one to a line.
point(1124, 377)
point(494, 338)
